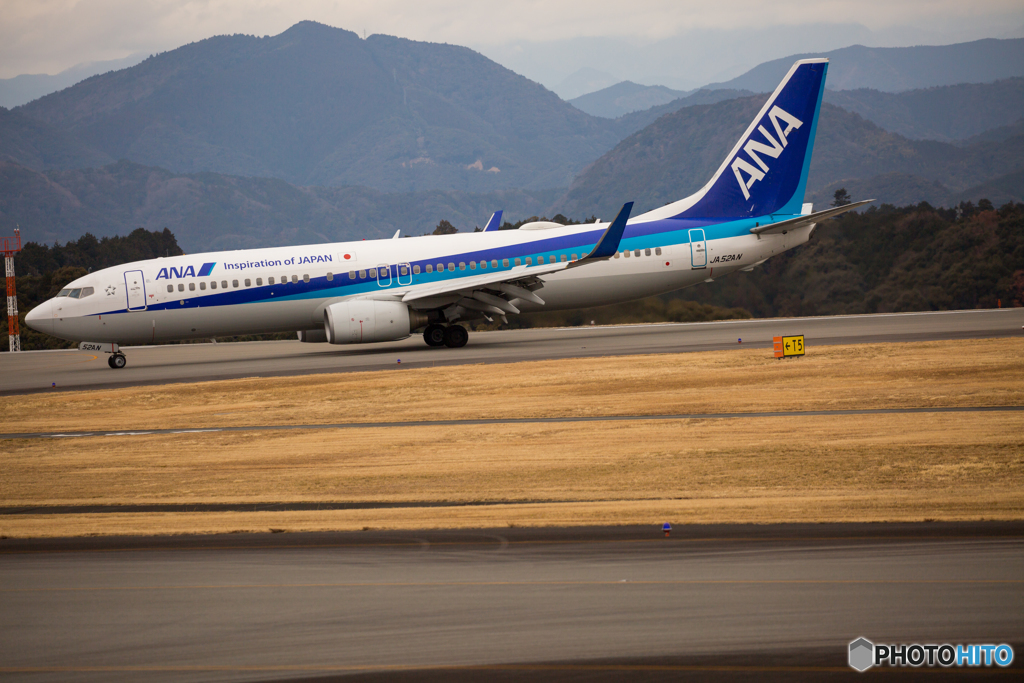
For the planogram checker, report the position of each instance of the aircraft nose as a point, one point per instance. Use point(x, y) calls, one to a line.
point(40, 318)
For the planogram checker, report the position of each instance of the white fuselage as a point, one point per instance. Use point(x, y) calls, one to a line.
point(287, 289)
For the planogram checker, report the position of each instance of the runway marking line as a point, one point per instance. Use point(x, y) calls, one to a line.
point(469, 584)
point(419, 544)
point(528, 420)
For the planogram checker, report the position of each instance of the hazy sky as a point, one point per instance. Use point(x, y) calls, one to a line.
point(47, 36)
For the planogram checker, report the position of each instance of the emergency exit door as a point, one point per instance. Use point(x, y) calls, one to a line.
point(698, 249)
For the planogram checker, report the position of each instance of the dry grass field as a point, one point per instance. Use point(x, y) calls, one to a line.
point(838, 468)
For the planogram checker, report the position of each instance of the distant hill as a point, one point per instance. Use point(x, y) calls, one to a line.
point(678, 153)
point(893, 69)
point(631, 123)
point(583, 81)
point(209, 211)
point(623, 98)
point(946, 113)
point(317, 105)
point(27, 87)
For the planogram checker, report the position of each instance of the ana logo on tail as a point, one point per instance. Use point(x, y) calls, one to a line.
point(773, 149)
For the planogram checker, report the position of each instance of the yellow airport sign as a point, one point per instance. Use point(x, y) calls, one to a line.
point(789, 346)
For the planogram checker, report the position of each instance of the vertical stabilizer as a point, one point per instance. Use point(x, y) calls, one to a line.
point(766, 172)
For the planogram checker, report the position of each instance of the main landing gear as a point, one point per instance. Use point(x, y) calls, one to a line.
point(117, 360)
point(452, 336)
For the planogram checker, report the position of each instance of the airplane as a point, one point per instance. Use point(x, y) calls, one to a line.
point(386, 290)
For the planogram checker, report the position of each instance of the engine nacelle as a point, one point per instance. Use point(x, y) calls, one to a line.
point(364, 320)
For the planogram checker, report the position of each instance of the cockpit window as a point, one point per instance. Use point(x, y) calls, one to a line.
point(86, 291)
point(74, 294)
point(64, 292)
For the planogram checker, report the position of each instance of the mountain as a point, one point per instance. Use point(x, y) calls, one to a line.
point(905, 189)
point(623, 98)
point(27, 87)
point(947, 113)
point(631, 123)
point(38, 145)
point(317, 105)
point(678, 153)
point(893, 69)
point(209, 211)
point(582, 81)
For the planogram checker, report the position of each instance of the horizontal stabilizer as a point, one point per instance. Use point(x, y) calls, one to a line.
point(802, 221)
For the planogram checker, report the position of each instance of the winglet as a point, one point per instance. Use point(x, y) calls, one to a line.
point(609, 242)
point(494, 223)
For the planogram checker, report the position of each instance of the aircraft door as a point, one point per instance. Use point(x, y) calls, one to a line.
point(135, 286)
point(383, 275)
point(404, 274)
point(698, 249)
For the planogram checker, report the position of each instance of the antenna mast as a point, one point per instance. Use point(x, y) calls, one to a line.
point(11, 246)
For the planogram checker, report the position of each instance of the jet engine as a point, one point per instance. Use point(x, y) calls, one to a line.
point(363, 320)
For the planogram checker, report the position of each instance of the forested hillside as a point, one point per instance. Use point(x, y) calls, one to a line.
point(914, 258)
point(317, 105)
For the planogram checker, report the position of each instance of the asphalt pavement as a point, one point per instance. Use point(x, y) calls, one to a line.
point(723, 602)
point(48, 370)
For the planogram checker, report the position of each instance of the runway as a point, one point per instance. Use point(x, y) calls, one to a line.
point(62, 370)
point(725, 602)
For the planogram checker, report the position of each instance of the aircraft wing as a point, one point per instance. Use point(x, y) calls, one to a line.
point(802, 221)
point(505, 281)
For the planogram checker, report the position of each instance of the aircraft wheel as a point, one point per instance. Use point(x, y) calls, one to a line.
point(110, 361)
point(118, 361)
point(455, 336)
point(434, 335)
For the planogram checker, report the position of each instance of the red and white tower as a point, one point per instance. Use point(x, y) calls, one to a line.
point(11, 246)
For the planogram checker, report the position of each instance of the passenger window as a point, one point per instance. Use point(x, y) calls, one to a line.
point(270, 280)
point(416, 270)
point(563, 258)
point(440, 267)
point(259, 282)
point(540, 260)
point(519, 261)
point(181, 287)
point(529, 260)
point(170, 288)
point(504, 262)
point(191, 286)
point(65, 292)
point(483, 264)
point(295, 278)
point(202, 286)
point(403, 270)
point(657, 251)
point(362, 274)
point(248, 282)
point(86, 291)
point(617, 255)
point(494, 263)
point(234, 283)
point(462, 266)
point(213, 284)
point(472, 265)
point(330, 277)
point(305, 278)
point(626, 254)
point(647, 252)
point(451, 267)
point(223, 284)
point(373, 274)
point(430, 268)
point(636, 253)
point(574, 257)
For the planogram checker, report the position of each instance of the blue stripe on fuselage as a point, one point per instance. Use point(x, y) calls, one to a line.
point(661, 233)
